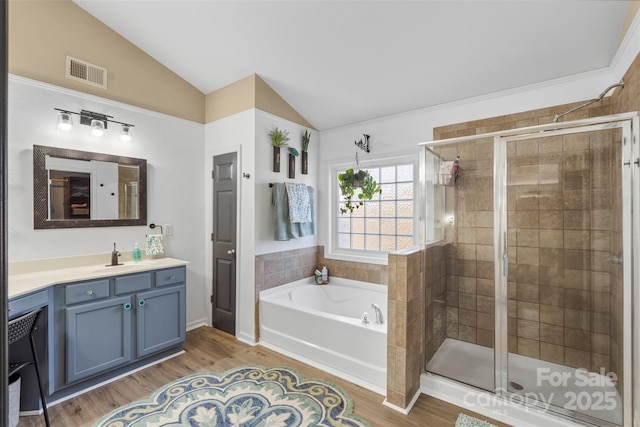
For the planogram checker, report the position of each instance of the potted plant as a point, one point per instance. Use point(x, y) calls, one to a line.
point(306, 136)
point(279, 138)
point(352, 180)
point(293, 153)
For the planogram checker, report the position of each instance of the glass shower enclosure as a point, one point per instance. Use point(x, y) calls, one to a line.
point(531, 265)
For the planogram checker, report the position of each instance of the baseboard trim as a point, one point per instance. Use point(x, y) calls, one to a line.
point(404, 411)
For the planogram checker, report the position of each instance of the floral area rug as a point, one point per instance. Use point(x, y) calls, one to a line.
point(243, 397)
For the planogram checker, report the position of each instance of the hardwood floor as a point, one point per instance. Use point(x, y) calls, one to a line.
point(209, 349)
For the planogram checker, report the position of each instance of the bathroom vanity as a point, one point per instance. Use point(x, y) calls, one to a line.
point(102, 321)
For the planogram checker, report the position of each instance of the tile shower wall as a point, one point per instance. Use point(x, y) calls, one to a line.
point(539, 328)
point(436, 311)
point(549, 318)
point(469, 267)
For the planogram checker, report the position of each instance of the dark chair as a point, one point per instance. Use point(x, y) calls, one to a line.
point(18, 329)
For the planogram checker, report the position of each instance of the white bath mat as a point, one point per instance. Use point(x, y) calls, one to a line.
point(465, 420)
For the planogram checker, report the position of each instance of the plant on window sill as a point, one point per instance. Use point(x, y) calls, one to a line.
point(350, 181)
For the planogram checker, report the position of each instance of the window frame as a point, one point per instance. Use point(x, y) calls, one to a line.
point(357, 255)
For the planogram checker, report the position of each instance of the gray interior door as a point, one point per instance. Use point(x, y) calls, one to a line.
point(224, 242)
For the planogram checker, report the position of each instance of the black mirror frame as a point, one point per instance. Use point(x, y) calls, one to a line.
point(41, 192)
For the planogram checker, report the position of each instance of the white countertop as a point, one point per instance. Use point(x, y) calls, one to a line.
point(22, 283)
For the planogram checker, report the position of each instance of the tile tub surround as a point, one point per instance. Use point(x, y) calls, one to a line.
point(405, 339)
point(365, 272)
point(277, 268)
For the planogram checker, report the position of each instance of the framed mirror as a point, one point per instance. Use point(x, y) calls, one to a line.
point(73, 189)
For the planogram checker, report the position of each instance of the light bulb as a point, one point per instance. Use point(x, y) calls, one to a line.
point(97, 127)
point(125, 133)
point(64, 122)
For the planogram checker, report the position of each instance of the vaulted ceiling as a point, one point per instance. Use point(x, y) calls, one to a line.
point(340, 62)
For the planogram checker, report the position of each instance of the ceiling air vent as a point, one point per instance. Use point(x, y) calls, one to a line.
point(86, 73)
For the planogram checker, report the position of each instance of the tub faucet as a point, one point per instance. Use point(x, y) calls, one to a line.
point(379, 318)
point(114, 255)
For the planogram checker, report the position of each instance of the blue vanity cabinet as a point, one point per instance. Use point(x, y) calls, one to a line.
point(105, 327)
point(98, 337)
point(160, 319)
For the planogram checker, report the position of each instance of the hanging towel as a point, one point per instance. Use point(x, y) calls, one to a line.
point(280, 211)
point(283, 228)
point(154, 244)
point(298, 201)
point(308, 228)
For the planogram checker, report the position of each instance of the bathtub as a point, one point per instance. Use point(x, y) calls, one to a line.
point(321, 325)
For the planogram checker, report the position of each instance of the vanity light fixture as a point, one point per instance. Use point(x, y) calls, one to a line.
point(97, 127)
point(97, 121)
point(125, 133)
point(64, 121)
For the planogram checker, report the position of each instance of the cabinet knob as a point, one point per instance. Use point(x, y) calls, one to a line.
point(127, 306)
point(89, 292)
point(141, 303)
point(172, 277)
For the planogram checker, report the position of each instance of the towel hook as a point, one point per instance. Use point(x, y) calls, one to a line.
point(152, 226)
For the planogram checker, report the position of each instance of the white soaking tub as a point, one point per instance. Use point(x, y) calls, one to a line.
point(322, 325)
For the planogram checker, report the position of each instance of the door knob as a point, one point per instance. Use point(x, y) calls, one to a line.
point(231, 252)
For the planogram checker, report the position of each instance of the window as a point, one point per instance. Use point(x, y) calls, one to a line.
point(387, 222)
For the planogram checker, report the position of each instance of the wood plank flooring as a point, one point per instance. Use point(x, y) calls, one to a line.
point(209, 349)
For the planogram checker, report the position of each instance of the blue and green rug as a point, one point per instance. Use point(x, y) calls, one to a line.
point(244, 397)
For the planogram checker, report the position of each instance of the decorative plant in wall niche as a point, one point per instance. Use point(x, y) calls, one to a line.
point(306, 136)
point(359, 184)
point(279, 138)
point(293, 153)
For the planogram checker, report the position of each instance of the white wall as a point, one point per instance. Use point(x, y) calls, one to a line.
point(400, 134)
point(235, 133)
point(247, 133)
point(173, 150)
point(265, 123)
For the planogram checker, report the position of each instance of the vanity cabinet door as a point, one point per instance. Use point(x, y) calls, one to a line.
point(98, 337)
point(160, 318)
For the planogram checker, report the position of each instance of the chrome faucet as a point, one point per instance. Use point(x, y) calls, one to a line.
point(379, 318)
point(114, 255)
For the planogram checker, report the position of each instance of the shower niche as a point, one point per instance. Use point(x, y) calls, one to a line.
point(528, 271)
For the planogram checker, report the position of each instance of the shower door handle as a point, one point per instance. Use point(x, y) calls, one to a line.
point(615, 259)
point(505, 257)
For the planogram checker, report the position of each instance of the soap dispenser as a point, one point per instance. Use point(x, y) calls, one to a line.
point(136, 254)
point(325, 275)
